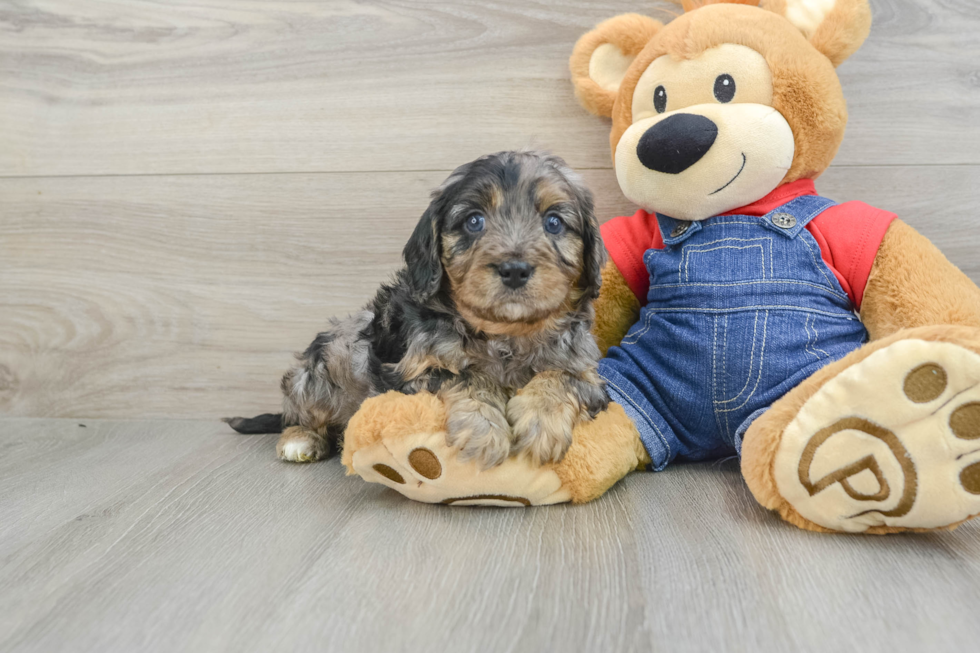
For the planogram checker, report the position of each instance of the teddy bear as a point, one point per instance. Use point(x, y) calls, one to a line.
point(828, 345)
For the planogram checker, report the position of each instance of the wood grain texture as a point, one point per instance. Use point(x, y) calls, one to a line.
point(180, 536)
point(185, 296)
point(96, 87)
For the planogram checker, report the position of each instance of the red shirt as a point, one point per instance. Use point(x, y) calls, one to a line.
point(848, 234)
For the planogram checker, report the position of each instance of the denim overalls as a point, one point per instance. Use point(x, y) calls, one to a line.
point(741, 309)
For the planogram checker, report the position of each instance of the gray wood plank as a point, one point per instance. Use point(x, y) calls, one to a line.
point(177, 535)
point(161, 296)
point(185, 296)
point(144, 87)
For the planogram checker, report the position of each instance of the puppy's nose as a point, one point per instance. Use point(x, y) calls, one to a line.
point(515, 273)
point(676, 143)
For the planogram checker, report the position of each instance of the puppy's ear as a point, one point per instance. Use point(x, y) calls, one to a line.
point(423, 254)
point(423, 251)
point(593, 251)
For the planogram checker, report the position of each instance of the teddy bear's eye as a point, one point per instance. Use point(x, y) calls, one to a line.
point(724, 88)
point(660, 99)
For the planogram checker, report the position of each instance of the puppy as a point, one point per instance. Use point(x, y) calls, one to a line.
point(493, 313)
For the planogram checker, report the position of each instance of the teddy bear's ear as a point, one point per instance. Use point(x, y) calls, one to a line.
point(836, 28)
point(601, 57)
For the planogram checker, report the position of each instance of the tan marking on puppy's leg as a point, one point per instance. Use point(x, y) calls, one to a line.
point(476, 423)
point(415, 364)
point(543, 415)
point(300, 445)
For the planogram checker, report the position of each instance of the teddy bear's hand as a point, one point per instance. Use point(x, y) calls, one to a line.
point(400, 441)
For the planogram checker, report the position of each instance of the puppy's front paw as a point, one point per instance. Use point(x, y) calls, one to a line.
point(480, 431)
point(542, 427)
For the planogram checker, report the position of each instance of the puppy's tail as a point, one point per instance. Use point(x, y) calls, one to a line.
point(267, 423)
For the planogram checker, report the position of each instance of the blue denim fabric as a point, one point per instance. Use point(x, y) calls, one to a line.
point(741, 309)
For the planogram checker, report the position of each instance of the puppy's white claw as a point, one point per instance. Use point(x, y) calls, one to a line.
point(297, 452)
point(299, 446)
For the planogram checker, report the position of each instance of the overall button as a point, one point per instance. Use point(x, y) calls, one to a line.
point(784, 220)
point(680, 229)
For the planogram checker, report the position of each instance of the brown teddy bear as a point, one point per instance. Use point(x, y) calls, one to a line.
point(831, 346)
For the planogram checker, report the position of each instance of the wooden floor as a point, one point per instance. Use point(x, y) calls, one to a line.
point(178, 536)
point(188, 190)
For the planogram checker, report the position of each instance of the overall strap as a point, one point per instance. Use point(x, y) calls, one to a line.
point(793, 217)
point(675, 231)
point(789, 219)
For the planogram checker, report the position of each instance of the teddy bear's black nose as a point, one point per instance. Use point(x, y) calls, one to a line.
point(676, 143)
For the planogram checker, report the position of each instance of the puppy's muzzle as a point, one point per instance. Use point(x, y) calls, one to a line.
point(515, 273)
point(676, 143)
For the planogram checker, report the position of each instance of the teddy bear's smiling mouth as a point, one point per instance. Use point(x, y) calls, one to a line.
point(733, 178)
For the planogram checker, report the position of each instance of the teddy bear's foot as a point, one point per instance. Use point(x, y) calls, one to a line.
point(890, 442)
point(400, 441)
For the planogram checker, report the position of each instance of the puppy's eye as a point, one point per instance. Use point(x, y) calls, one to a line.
point(475, 223)
point(553, 224)
point(660, 99)
point(724, 88)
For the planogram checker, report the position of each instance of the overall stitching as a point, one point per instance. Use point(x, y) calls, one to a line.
point(732, 284)
point(686, 250)
point(752, 369)
point(633, 339)
point(686, 259)
point(758, 375)
point(661, 367)
point(832, 284)
point(714, 368)
point(759, 307)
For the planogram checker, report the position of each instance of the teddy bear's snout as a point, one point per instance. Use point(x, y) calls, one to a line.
point(676, 143)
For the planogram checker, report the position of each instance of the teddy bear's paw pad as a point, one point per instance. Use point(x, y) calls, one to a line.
point(893, 440)
point(424, 468)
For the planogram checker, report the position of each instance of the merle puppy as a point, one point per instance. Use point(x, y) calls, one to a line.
point(493, 313)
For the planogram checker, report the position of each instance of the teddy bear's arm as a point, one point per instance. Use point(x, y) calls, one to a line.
point(616, 309)
point(912, 284)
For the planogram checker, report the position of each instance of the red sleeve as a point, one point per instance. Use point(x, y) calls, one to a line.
point(849, 235)
point(627, 238)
